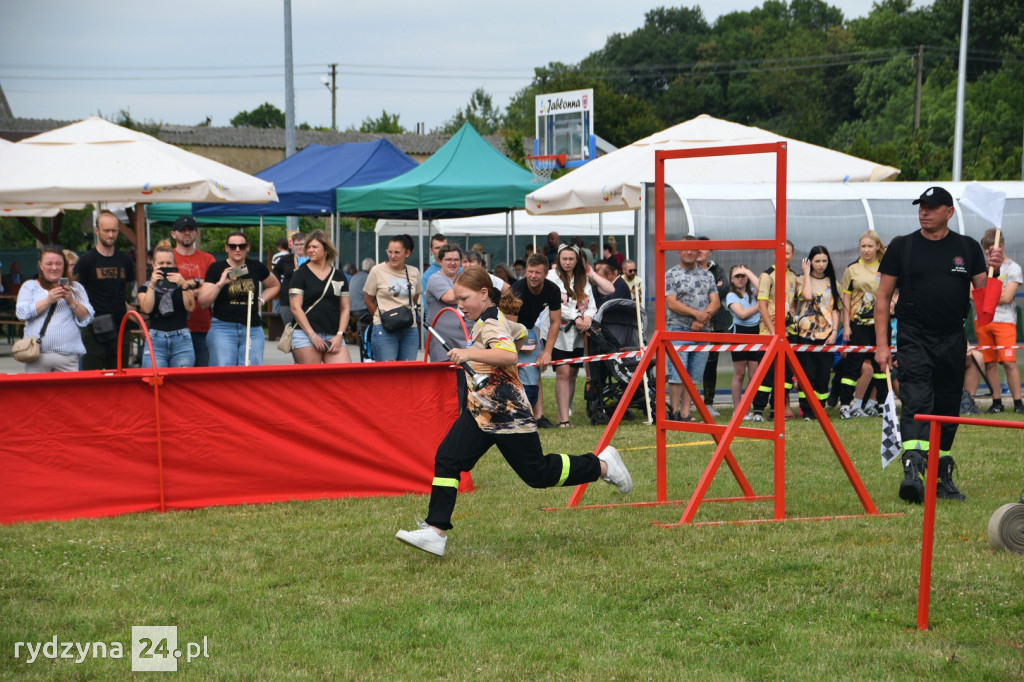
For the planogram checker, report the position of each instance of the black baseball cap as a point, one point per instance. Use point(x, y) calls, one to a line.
point(183, 222)
point(935, 196)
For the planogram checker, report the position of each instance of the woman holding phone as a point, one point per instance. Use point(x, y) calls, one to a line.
point(168, 299)
point(227, 290)
point(55, 310)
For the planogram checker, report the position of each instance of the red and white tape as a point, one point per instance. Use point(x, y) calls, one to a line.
point(738, 347)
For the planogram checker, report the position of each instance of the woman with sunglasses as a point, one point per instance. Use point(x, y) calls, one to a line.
point(226, 291)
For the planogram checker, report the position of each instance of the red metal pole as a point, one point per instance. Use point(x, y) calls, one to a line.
point(928, 534)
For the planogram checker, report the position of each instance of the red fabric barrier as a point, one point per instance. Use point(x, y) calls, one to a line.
point(85, 443)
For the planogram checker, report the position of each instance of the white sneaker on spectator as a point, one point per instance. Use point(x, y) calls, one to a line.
point(713, 411)
point(748, 416)
point(424, 538)
point(844, 412)
point(617, 474)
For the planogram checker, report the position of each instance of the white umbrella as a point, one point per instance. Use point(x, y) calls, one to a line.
point(614, 182)
point(95, 160)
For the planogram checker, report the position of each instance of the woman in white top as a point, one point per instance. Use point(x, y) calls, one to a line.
point(390, 285)
point(578, 309)
point(61, 346)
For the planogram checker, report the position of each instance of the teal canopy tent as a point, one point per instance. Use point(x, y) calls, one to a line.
point(465, 177)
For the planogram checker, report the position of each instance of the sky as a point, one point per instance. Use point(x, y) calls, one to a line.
point(181, 62)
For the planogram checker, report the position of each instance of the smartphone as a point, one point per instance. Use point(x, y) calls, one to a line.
point(169, 270)
point(63, 281)
point(241, 270)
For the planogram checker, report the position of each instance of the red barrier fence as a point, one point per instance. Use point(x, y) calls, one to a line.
point(85, 444)
point(928, 533)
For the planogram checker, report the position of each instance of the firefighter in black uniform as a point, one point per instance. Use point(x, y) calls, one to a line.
point(934, 269)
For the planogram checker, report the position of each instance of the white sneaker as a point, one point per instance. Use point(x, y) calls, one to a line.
point(713, 411)
point(425, 538)
point(758, 417)
point(844, 412)
point(748, 416)
point(617, 474)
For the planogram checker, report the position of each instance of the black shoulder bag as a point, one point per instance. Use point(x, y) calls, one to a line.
point(397, 319)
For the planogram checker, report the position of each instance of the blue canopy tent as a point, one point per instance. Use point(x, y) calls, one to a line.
point(306, 181)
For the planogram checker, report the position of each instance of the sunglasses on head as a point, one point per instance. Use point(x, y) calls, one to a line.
point(237, 246)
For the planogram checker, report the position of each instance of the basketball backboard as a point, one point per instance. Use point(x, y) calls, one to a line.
point(565, 125)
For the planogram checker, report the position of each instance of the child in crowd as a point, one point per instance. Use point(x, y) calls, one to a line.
point(817, 323)
point(742, 303)
point(499, 414)
point(1002, 331)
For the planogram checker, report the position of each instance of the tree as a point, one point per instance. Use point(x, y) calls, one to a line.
point(265, 115)
point(479, 113)
point(385, 123)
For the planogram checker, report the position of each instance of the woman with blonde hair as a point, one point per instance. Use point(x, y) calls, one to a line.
point(498, 414)
point(858, 288)
point(167, 298)
point(318, 297)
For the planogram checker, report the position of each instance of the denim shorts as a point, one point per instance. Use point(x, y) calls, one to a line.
point(693, 363)
point(301, 340)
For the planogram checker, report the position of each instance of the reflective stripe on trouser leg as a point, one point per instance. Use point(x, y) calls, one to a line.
point(565, 470)
point(921, 445)
point(460, 450)
point(524, 454)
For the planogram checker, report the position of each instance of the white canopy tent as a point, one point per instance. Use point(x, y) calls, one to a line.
point(95, 161)
point(614, 182)
point(500, 225)
point(830, 214)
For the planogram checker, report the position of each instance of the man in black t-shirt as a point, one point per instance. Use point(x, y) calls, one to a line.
point(934, 269)
point(106, 274)
point(283, 268)
point(537, 293)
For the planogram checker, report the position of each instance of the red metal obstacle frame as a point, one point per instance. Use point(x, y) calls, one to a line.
point(935, 423)
point(778, 353)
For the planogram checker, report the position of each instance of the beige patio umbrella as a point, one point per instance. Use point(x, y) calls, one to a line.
point(95, 161)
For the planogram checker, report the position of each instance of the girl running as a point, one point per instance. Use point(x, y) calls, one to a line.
point(499, 414)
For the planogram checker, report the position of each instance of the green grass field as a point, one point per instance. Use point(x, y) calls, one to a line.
point(322, 589)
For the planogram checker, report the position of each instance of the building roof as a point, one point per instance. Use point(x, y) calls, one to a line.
point(15, 129)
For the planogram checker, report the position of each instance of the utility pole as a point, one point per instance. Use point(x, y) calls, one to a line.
point(920, 80)
point(332, 85)
point(961, 88)
point(289, 84)
point(291, 222)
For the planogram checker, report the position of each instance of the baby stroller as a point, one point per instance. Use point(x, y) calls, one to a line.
point(614, 329)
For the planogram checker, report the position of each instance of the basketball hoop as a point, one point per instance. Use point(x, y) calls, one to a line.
point(543, 165)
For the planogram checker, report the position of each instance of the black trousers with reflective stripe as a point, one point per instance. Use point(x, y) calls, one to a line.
point(466, 443)
point(931, 375)
point(850, 366)
point(762, 397)
point(818, 368)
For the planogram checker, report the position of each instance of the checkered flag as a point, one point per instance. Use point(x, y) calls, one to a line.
point(891, 441)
